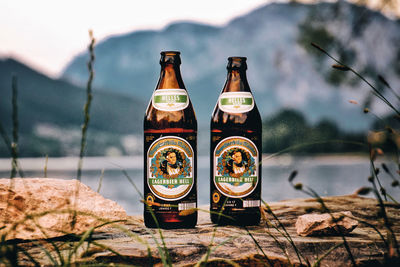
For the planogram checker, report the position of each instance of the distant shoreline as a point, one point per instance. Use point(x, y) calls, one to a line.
point(136, 162)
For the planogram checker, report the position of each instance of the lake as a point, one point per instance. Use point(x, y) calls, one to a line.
point(328, 175)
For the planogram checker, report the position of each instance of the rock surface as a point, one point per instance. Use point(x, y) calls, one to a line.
point(324, 224)
point(134, 244)
point(50, 203)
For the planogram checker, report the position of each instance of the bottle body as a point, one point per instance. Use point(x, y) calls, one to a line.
point(235, 152)
point(170, 151)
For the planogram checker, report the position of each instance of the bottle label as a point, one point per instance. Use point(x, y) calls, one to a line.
point(236, 167)
point(170, 168)
point(236, 102)
point(170, 99)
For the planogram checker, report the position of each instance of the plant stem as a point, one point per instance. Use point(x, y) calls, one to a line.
point(86, 108)
point(375, 91)
point(14, 144)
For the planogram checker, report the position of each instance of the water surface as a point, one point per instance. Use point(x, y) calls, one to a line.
point(328, 175)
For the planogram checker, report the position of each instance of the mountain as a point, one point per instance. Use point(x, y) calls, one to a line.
point(284, 70)
point(50, 114)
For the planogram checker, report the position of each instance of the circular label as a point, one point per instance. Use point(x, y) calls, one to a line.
point(149, 200)
point(216, 197)
point(236, 166)
point(170, 168)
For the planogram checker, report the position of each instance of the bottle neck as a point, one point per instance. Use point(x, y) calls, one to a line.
point(170, 77)
point(236, 81)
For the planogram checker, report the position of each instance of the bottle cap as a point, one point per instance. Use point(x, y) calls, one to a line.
point(170, 57)
point(237, 63)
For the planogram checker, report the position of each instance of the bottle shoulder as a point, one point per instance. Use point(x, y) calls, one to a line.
point(248, 121)
point(161, 119)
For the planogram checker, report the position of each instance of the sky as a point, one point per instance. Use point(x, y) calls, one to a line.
point(47, 34)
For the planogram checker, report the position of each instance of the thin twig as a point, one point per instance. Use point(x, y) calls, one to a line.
point(86, 111)
point(45, 165)
point(86, 108)
point(375, 90)
point(14, 144)
point(101, 180)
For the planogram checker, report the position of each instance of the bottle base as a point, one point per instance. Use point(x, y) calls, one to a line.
point(242, 219)
point(170, 221)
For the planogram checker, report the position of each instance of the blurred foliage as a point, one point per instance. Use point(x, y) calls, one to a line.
point(289, 128)
point(321, 27)
point(385, 133)
point(315, 28)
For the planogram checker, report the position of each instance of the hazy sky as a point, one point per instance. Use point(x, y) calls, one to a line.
point(46, 34)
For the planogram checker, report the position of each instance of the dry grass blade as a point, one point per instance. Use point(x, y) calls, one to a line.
point(211, 249)
point(309, 191)
point(30, 257)
point(100, 180)
point(363, 191)
point(45, 166)
point(187, 212)
point(14, 144)
point(342, 66)
point(285, 233)
point(292, 176)
point(86, 108)
point(315, 195)
point(382, 212)
point(57, 257)
point(317, 263)
point(86, 237)
point(163, 251)
point(383, 80)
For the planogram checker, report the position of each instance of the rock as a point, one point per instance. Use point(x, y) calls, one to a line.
point(37, 208)
point(134, 244)
point(324, 224)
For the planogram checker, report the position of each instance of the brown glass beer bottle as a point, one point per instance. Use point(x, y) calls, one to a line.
point(235, 152)
point(170, 152)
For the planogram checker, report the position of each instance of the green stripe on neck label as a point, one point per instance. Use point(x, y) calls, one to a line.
point(236, 102)
point(170, 99)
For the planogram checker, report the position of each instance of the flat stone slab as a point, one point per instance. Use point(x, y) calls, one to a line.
point(272, 242)
point(38, 208)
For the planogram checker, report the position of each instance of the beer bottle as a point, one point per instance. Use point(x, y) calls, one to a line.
point(170, 153)
point(235, 152)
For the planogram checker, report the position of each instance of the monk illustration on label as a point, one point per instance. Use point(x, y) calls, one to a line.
point(171, 165)
point(237, 165)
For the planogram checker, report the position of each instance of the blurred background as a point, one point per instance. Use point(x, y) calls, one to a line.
point(314, 113)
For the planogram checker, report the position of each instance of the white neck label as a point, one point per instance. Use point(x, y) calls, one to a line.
point(170, 99)
point(236, 102)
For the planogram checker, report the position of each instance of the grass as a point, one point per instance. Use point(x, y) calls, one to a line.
point(377, 188)
point(14, 144)
point(83, 246)
point(86, 108)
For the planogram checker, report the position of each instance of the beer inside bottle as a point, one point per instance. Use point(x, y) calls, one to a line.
point(170, 153)
point(235, 152)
